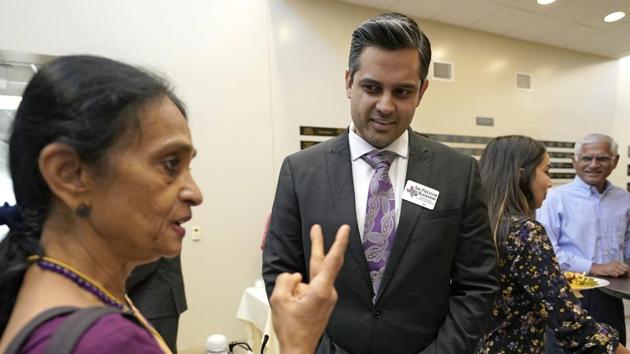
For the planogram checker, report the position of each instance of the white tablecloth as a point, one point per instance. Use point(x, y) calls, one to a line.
point(255, 314)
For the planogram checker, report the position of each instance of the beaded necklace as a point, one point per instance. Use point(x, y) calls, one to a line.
point(82, 280)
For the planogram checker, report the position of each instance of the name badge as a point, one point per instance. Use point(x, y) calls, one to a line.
point(420, 194)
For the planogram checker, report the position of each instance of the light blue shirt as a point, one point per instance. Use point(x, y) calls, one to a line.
point(586, 226)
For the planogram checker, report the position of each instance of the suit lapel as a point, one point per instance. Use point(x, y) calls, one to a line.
point(339, 169)
point(418, 170)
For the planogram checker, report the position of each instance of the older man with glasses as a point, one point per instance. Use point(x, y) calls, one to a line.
point(588, 222)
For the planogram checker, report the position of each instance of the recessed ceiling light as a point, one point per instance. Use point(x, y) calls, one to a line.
point(545, 2)
point(615, 16)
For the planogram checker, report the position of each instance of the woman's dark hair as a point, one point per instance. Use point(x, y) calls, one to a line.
point(85, 102)
point(507, 167)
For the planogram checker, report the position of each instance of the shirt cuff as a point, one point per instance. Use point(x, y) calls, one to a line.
point(582, 265)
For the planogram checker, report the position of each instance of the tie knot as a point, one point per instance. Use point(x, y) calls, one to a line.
point(379, 159)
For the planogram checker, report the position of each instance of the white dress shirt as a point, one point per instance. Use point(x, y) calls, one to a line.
point(362, 172)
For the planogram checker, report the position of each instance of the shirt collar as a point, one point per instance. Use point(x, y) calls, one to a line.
point(360, 147)
point(587, 189)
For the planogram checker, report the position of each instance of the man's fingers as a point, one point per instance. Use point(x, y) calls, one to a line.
point(317, 241)
point(334, 260)
point(317, 250)
point(620, 269)
point(286, 284)
point(300, 289)
point(338, 248)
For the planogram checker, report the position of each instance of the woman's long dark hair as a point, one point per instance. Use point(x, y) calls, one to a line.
point(85, 102)
point(507, 167)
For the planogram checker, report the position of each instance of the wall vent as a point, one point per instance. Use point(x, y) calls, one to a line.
point(443, 71)
point(487, 121)
point(524, 81)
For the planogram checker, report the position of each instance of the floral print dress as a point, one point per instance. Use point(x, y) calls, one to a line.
point(535, 294)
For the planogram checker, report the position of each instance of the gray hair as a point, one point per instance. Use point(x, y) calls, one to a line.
point(390, 31)
point(596, 138)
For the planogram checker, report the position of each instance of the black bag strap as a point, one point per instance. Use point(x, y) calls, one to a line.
point(68, 334)
point(21, 337)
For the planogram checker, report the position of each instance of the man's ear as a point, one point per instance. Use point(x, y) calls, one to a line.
point(348, 84)
point(423, 88)
point(64, 173)
point(615, 161)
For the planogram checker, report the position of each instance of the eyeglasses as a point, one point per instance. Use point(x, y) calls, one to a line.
point(598, 158)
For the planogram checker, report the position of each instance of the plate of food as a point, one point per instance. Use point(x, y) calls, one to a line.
point(581, 281)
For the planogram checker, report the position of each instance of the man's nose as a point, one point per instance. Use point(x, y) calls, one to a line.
point(593, 161)
point(385, 104)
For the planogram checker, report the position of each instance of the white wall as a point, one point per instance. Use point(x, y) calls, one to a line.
point(253, 71)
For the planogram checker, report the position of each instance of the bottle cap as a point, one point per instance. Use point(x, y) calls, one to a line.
point(217, 343)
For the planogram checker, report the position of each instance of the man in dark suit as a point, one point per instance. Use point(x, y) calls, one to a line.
point(157, 290)
point(419, 274)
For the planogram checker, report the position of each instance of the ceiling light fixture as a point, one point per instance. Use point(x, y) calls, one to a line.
point(615, 16)
point(545, 2)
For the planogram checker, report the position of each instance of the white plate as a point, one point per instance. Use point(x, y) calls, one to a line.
point(600, 283)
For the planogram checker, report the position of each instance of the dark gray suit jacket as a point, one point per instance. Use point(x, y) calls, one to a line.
point(440, 280)
point(157, 288)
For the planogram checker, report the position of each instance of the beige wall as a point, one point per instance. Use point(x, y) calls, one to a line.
point(253, 71)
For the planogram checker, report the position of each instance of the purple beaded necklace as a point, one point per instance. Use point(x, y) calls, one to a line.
point(76, 277)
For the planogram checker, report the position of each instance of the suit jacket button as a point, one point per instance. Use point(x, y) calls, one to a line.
point(378, 314)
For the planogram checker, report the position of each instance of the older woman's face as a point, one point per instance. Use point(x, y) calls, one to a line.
point(148, 191)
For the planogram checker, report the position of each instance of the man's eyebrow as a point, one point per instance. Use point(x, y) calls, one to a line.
point(369, 81)
point(407, 86)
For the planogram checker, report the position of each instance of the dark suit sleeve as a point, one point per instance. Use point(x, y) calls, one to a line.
point(474, 284)
point(142, 273)
point(283, 250)
point(157, 289)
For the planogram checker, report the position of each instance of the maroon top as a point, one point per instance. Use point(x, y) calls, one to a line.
point(111, 334)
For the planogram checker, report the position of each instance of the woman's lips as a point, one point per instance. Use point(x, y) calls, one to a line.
point(179, 230)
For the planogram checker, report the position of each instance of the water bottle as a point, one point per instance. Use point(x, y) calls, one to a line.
point(217, 344)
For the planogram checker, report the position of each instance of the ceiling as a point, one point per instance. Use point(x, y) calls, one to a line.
point(570, 24)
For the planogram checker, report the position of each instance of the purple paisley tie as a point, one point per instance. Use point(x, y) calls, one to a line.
point(380, 215)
